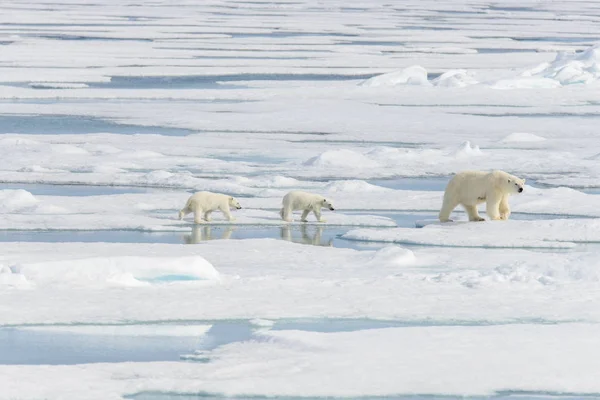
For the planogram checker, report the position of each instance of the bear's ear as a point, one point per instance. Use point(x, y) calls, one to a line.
point(230, 198)
point(523, 181)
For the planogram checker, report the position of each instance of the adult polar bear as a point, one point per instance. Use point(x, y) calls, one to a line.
point(202, 204)
point(307, 202)
point(470, 188)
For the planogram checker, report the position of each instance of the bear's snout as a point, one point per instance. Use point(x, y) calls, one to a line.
point(331, 208)
point(239, 207)
point(520, 190)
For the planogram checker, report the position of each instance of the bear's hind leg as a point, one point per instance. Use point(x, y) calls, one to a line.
point(473, 213)
point(304, 215)
point(504, 208)
point(286, 214)
point(198, 216)
point(447, 208)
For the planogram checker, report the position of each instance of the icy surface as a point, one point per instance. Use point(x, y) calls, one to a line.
point(509, 234)
point(371, 103)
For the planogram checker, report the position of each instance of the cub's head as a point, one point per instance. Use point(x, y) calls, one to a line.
point(327, 204)
point(514, 184)
point(234, 203)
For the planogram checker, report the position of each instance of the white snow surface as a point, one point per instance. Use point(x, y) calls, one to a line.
point(469, 361)
point(370, 103)
point(508, 234)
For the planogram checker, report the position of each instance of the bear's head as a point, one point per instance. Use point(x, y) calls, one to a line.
point(234, 203)
point(514, 184)
point(327, 204)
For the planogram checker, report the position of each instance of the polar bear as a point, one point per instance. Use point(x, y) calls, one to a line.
point(470, 188)
point(307, 202)
point(202, 204)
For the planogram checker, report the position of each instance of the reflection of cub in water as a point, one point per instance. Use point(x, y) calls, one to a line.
point(202, 233)
point(306, 238)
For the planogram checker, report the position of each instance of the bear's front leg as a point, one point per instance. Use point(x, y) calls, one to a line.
point(207, 216)
point(304, 215)
point(493, 207)
point(504, 208)
point(227, 214)
point(318, 215)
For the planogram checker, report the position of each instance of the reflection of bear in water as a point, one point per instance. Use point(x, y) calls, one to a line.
point(202, 233)
point(306, 238)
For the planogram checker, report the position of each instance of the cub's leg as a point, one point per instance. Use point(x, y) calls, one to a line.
point(318, 215)
point(198, 216)
point(286, 214)
point(304, 215)
point(504, 208)
point(473, 213)
point(227, 214)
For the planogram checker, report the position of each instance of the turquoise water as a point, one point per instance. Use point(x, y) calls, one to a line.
point(19, 345)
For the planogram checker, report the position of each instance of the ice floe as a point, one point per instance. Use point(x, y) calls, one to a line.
point(562, 233)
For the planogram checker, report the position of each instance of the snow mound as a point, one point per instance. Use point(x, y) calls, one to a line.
point(466, 150)
point(523, 137)
point(117, 271)
point(415, 75)
point(342, 158)
point(16, 200)
point(266, 181)
point(393, 256)
point(455, 78)
point(353, 186)
point(570, 68)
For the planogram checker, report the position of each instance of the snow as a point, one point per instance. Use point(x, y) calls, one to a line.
point(571, 68)
point(415, 75)
point(522, 137)
point(147, 330)
point(469, 361)
point(507, 234)
point(113, 271)
point(366, 103)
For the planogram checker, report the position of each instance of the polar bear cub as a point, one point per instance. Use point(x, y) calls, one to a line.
point(470, 188)
point(307, 202)
point(202, 204)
